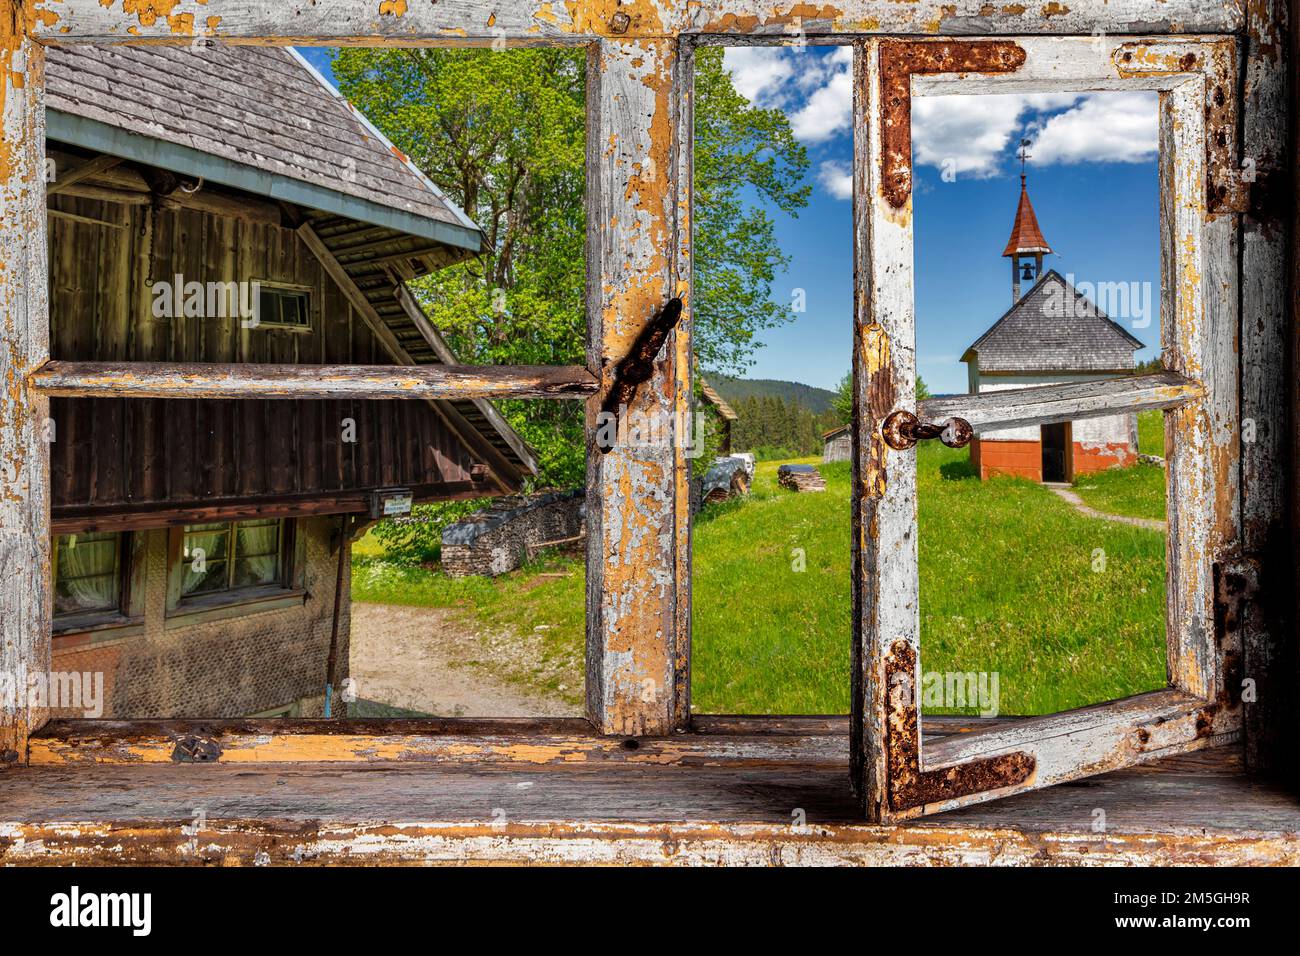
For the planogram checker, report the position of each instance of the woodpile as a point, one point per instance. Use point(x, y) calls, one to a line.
point(728, 477)
point(800, 478)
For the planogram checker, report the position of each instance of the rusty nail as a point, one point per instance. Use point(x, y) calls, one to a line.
point(619, 23)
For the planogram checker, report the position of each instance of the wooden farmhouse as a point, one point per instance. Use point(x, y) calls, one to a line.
point(201, 548)
point(1051, 335)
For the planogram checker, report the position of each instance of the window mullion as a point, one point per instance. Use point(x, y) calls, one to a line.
point(636, 492)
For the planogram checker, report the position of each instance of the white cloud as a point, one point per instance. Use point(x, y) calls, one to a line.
point(1114, 127)
point(828, 109)
point(758, 72)
point(968, 134)
point(815, 90)
point(836, 178)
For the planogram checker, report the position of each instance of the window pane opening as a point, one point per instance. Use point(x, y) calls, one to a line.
point(271, 549)
point(773, 331)
point(1041, 546)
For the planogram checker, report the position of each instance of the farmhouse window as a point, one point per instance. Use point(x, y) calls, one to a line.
point(228, 557)
point(283, 306)
point(87, 575)
point(1220, 71)
point(898, 775)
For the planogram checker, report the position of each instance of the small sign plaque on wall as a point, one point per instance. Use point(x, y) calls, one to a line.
point(387, 502)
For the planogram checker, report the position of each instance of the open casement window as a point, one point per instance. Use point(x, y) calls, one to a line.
point(899, 777)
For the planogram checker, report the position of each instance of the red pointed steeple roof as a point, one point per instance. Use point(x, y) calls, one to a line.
point(1025, 234)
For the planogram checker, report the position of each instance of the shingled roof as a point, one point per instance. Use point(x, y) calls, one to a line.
point(281, 130)
point(1053, 328)
point(725, 411)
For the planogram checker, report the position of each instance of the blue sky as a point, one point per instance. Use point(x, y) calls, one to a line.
point(1092, 179)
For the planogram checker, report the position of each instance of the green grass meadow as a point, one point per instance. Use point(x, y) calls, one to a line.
point(1138, 492)
point(1067, 610)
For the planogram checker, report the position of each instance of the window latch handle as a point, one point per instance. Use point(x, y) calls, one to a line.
point(902, 430)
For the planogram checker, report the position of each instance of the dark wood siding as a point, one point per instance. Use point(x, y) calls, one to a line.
point(128, 455)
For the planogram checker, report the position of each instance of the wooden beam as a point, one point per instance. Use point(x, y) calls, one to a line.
point(635, 583)
point(712, 741)
point(123, 197)
point(236, 380)
point(92, 167)
point(480, 22)
point(729, 799)
point(88, 220)
point(216, 203)
point(24, 412)
point(1007, 408)
point(80, 518)
point(1270, 445)
point(503, 473)
point(433, 337)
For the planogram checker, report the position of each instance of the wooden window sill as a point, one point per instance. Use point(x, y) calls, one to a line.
point(225, 605)
point(76, 635)
point(115, 792)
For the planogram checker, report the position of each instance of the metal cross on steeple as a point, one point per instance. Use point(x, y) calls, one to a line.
point(1023, 153)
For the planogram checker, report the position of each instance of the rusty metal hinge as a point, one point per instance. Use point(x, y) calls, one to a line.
point(637, 367)
point(1236, 583)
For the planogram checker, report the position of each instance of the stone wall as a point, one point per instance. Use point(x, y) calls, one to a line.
point(502, 537)
point(261, 657)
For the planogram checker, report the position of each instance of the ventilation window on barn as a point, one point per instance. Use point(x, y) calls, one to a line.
point(289, 308)
point(344, 556)
point(1037, 265)
point(772, 332)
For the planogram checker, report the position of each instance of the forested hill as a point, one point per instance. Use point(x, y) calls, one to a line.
point(816, 400)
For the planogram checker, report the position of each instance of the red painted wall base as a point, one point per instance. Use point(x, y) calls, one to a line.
point(1024, 459)
point(1020, 459)
point(1100, 457)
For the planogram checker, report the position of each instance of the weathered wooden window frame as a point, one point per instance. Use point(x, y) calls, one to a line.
point(899, 777)
point(129, 609)
point(639, 147)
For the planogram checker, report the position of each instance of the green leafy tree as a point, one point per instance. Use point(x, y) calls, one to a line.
point(502, 133)
point(842, 403)
point(740, 151)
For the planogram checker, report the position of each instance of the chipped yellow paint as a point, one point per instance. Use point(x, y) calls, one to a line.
point(875, 364)
point(644, 17)
point(147, 12)
point(392, 8)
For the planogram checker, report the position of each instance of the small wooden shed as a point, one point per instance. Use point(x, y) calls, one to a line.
point(726, 415)
point(837, 444)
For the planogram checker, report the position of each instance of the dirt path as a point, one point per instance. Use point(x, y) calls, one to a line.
point(1073, 499)
point(425, 659)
